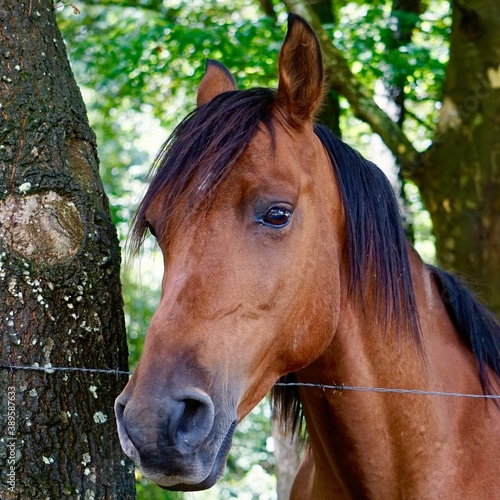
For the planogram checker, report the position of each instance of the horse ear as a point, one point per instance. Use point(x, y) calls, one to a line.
point(217, 79)
point(300, 87)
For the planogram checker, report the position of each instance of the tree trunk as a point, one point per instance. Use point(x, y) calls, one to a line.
point(60, 294)
point(287, 456)
point(329, 112)
point(460, 180)
point(405, 13)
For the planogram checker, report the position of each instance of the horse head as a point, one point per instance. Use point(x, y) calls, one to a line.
point(243, 206)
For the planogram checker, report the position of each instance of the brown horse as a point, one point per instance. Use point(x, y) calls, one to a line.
point(284, 255)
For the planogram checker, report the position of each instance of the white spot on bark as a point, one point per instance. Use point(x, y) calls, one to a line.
point(89, 494)
point(100, 417)
point(49, 345)
point(25, 187)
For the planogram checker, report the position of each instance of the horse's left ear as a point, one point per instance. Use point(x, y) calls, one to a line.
point(217, 79)
point(300, 86)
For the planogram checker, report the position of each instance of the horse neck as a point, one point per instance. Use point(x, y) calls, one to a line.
point(369, 443)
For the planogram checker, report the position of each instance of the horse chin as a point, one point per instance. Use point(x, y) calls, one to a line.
point(204, 485)
point(213, 476)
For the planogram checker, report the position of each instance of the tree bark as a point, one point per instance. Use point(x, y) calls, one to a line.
point(60, 294)
point(329, 112)
point(460, 180)
point(400, 37)
point(287, 457)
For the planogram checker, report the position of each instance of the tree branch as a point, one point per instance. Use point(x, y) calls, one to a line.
point(361, 100)
point(267, 7)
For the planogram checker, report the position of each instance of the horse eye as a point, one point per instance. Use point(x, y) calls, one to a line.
point(277, 216)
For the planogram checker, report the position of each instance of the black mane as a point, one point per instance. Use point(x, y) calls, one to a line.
point(376, 239)
point(474, 323)
point(207, 144)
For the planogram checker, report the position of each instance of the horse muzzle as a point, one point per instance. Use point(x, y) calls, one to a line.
point(178, 442)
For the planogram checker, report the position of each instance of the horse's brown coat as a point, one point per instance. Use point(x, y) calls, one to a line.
point(244, 303)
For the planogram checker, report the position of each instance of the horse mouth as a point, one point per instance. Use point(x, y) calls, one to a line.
point(217, 468)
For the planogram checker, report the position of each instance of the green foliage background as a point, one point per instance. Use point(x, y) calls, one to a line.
point(138, 69)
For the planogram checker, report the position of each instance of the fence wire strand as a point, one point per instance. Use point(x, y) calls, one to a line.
point(335, 387)
point(52, 369)
point(419, 392)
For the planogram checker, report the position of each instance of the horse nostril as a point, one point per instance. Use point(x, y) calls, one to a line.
point(195, 421)
point(192, 416)
point(180, 423)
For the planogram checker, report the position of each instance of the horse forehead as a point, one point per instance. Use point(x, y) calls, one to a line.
point(284, 156)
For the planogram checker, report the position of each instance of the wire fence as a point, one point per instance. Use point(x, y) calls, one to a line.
point(53, 369)
point(334, 387)
point(419, 392)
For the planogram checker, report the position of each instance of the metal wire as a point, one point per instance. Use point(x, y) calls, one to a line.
point(334, 387)
point(390, 390)
point(51, 369)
